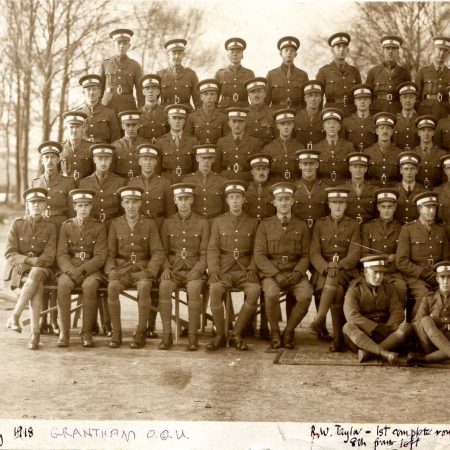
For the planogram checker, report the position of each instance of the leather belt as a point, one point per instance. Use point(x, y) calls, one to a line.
point(388, 97)
point(120, 90)
point(54, 212)
point(184, 253)
point(236, 253)
point(153, 215)
point(84, 256)
point(135, 258)
point(284, 258)
point(437, 97)
point(341, 100)
point(95, 140)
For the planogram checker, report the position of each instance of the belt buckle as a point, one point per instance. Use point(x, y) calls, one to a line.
point(119, 90)
point(360, 147)
point(359, 219)
point(309, 145)
point(431, 262)
point(287, 174)
point(288, 102)
point(284, 259)
point(183, 253)
point(235, 97)
point(82, 256)
point(389, 97)
point(310, 222)
point(383, 178)
point(236, 253)
point(76, 174)
point(333, 175)
point(426, 183)
point(345, 100)
point(102, 217)
point(335, 257)
point(439, 97)
point(407, 148)
point(178, 171)
point(176, 99)
point(133, 258)
point(236, 167)
point(130, 174)
point(30, 255)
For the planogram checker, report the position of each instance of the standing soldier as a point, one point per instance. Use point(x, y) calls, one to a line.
point(308, 123)
point(334, 255)
point(178, 83)
point(208, 186)
point(281, 254)
point(339, 77)
point(259, 118)
point(81, 254)
point(126, 155)
point(231, 264)
point(231, 79)
point(101, 122)
point(359, 128)
point(153, 118)
point(235, 148)
point(106, 203)
point(408, 188)
point(333, 150)
point(76, 159)
point(385, 78)
point(184, 237)
point(375, 317)
point(405, 133)
point(383, 167)
point(119, 74)
point(176, 146)
point(135, 256)
point(429, 174)
point(283, 149)
point(380, 236)
point(421, 243)
point(284, 84)
point(443, 192)
point(442, 135)
point(30, 254)
point(207, 123)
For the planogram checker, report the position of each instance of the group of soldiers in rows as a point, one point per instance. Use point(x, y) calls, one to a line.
point(291, 210)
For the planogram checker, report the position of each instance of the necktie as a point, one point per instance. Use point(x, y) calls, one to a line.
point(237, 141)
point(409, 190)
point(259, 189)
point(284, 221)
point(288, 74)
point(332, 146)
point(177, 140)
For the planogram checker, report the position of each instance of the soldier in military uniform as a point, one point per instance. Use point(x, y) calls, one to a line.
point(119, 74)
point(153, 118)
point(433, 80)
point(405, 133)
point(333, 150)
point(281, 254)
point(383, 167)
point(81, 255)
point(209, 200)
point(308, 123)
point(106, 203)
point(334, 254)
point(135, 257)
point(380, 236)
point(406, 210)
point(429, 174)
point(235, 148)
point(375, 317)
point(443, 192)
point(284, 84)
point(359, 128)
point(339, 77)
point(207, 123)
point(76, 159)
point(231, 78)
point(176, 146)
point(30, 253)
point(102, 124)
point(179, 84)
point(259, 118)
point(126, 155)
point(157, 198)
point(184, 237)
point(384, 78)
point(432, 321)
point(231, 264)
point(361, 196)
point(442, 134)
point(421, 243)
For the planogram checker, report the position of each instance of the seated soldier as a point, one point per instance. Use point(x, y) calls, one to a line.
point(405, 133)
point(184, 236)
point(432, 321)
point(408, 188)
point(30, 254)
point(443, 192)
point(281, 255)
point(334, 255)
point(420, 244)
point(380, 236)
point(135, 256)
point(375, 317)
point(81, 254)
point(231, 264)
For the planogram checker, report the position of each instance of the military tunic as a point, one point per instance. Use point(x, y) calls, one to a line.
point(119, 76)
point(359, 131)
point(405, 132)
point(309, 129)
point(26, 239)
point(333, 163)
point(384, 81)
point(209, 201)
point(442, 134)
point(284, 159)
point(153, 123)
point(430, 172)
point(259, 200)
point(443, 212)
point(232, 89)
point(102, 124)
point(310, 201)
point(207, 128)
point(383, 167)
point(179, 87)
point(126, 157)
point(76, 160)
point(260, 123)
point(360, 206)
point(406, 210)
point(284, 92)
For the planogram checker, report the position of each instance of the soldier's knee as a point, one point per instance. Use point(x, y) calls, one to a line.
point(165, 288)
point(36, 275)
point(114, 288)
point(253, 290)
point(349, 328)
point(90, 285)
point(216, 290)
point(194, 288)
point(65, 282)
point(405, 329)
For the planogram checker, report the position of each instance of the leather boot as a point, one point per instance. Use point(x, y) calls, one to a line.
point(338, 319)
point(63, 340)
point(389, 357)
point(298, 312)
point(34, 341)
point(193, 342)
point(116, 338)
point(166, 342)
point(218, 342)
point(13, 324)
point(138, 340)
point(87, 340)
point(273, 314)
